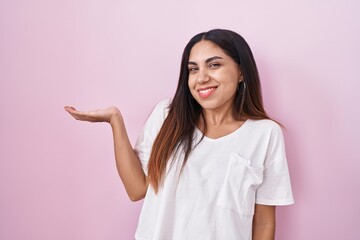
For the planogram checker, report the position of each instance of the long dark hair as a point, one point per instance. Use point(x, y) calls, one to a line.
point(184, 111)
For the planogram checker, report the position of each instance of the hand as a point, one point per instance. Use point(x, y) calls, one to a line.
point(100, 115)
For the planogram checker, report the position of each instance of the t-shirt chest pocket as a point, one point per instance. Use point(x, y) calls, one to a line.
point(237, 192)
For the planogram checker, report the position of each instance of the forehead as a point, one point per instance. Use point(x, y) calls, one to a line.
point(204, 50)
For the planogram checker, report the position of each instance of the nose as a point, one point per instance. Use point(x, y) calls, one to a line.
point(202, 76)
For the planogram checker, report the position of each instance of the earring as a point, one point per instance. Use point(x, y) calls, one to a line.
point(243, 87)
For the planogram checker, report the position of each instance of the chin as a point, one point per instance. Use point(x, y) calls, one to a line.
point(215, 103)
point(208, 105)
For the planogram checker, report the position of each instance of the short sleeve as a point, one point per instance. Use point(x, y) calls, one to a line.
point(149, 132)
point(276, 186)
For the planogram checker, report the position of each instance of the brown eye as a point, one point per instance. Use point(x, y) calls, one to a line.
point(214, 65)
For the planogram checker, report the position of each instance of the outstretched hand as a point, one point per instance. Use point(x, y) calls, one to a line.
point(99, 115)
point(127, 161)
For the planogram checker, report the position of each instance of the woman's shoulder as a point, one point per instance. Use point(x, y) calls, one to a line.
point(162, 107)
point(157, 116)
point(266, 129)
point(264, 124)
point(163, 104)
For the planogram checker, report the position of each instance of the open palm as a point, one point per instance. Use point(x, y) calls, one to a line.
point(99, 115)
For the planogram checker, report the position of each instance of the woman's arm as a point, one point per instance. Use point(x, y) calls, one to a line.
point(127, 163)
point(264, 222)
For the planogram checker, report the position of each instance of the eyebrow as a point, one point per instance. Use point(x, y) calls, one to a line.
point(206, 61)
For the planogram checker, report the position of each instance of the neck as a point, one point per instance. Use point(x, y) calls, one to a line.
point(217, 117)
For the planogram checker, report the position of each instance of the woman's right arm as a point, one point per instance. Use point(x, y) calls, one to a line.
point(127, 162)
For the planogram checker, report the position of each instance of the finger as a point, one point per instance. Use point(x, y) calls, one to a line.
point(81, 117)
point(84, 116)
point(73, 112)
point(70, 108)
point(74, 115)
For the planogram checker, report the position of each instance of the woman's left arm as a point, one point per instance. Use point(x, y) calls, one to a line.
point(264, 223)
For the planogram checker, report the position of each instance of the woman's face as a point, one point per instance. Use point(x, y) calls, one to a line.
point(213, 76)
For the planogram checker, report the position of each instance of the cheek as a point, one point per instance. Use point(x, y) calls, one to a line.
point(233, 87)
point(230, 86)
point(191, 83)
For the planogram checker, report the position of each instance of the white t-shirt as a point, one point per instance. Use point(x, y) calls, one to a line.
point(215, 195)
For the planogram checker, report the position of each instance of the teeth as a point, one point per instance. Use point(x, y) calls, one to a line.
point(206, 90)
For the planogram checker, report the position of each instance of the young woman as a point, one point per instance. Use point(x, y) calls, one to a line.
point(210, 163)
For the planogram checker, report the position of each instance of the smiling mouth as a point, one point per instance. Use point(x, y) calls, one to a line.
point(206, 92)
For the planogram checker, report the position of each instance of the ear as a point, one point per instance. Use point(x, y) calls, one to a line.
point(241, 78)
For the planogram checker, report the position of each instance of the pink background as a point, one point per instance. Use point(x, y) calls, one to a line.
point(58, 178)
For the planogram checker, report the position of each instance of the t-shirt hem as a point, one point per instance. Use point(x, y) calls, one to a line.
point(282, 202)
